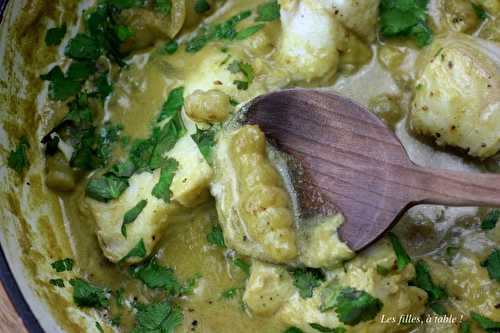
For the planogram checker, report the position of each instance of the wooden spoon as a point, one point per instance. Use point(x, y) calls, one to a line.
point(353, 162)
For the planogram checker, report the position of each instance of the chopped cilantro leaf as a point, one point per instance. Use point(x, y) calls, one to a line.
point(215, 237)
point(490, 221)
point(103, 87)
point(155, 276)
point(480, 12)
point(63, 265)
point(60, 87)
point(306, 280)
point(201, 6)
point(55, 35)
point(138, 251)
point(321, 328)
point(402, 258)
point(120, 297)
point(464, 327)
point(268, 11)
point(106, 188)
point(88, 295)
point(230, 293)
point(126, 4)
point(99, 327)
point(171, 47)
point(123, 169)
point(80, 70)
point(485, 323)
point(205, 139)
point(248, 32)
point(57, 282)
point(352, 306)
point(132, 214)
point(83, 47)
point(247, 71)
point(124, 33)
point(438, 308)
point(424, 281)
point(162, 189)
point(157, 317)
point(163, 6)
point(293, 329)
point(243, 265)
point(406, 18)
point(18, 159)
point(492, 264)
point(172, 105)
point(190, 285)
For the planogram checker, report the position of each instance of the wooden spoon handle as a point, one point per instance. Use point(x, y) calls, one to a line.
point(455, 188)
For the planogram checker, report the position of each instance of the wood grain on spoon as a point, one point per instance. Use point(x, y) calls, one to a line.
point(357, 164)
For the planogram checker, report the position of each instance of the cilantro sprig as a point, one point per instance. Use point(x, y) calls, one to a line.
point(157, 317)
point(402, 258)
point(306, 280)
point(18, 158)
point(86, 294)
point(132, 214)
point(492, 264)
point(63, 265)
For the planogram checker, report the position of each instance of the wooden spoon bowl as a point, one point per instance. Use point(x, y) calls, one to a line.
point(353, 162)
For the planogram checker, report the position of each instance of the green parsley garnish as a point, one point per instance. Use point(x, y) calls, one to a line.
point(464, 327)
point(99, 327)
point(402, 258)
point(438, 308)
point(492, 264)
point(352, 306)
point(201, 6)
point(106, 188)
point(230, 293)
point(480, 12)
point(55, 35)
point(57, 282)
point(157, 317)
point(61, 87)
point(247, 71)
point(293, 329)
point(164, 6)
point(424, 281)
point(132, 214)
point(88, 295)
point(490, 221)
point(406, 18)
point(243, 265)
point(216, 237)
point(138, 251)
point(171, 47)
point(485, 323)
point(269, 11)
point(321, 328)
point(63, 265)
point(18, 158)
point(248, 32)
point(205, 139)
point(155, 276)
point(123, 33)
point(162, 189)
point(306, 280)
point(83, 47)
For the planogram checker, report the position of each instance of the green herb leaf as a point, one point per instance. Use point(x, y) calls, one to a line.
point(216, 237)
point(205, 139)
point(103, 87)
point(163, 6)
point(171, 47)
point(201, 6)
point(173, 105)
point(60, 87)
point(247, 71)
point(424, 281)
point(485, 323)
point(132, 214)
point(268, 11)
point(99, 327)
point(438, 308)
point(80, 71)
point(55, 35)
point(120, 297)
point(306, 280)
point(321, 328)
point(88, 295)
point(157, 317)
point(106, 188)
point(248, 32)
point(406, 18)
point(352, 306)
point(293, 329)
point(383, 270)
point(492, 264)
point(126, 4)
point(63, 265)
point(464, 327)
point(162, 189)
point(83, 47)
point(57, 282)
point(243, 265)
point(18, 158)
point(124, 33)
point(402, 258)
point(480, 12)
point(155, 276)
point(230, 293)
point(490, 221)
point(138, 251)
